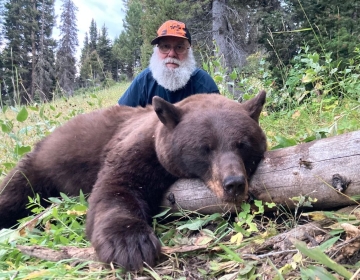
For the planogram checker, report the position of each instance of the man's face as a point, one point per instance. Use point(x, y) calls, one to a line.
point(176, 48)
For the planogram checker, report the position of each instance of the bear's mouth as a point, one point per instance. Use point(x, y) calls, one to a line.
point(233, 189)
point(237, 198)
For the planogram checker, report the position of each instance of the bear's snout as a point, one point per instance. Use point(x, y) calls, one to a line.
point(234, 185)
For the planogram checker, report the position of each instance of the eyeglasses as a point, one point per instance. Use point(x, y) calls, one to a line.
point(166, 48)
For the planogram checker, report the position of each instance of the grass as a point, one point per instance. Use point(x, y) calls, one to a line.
point(41, 119)
point(198, 246)
point(314, 119)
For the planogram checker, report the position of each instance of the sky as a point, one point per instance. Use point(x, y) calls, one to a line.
point(108, 12)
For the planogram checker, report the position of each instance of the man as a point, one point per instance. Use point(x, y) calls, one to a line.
point(172, 73)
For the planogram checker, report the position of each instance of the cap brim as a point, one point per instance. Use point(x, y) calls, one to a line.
point(157, 39)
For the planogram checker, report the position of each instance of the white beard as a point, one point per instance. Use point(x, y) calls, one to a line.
point(172, 79)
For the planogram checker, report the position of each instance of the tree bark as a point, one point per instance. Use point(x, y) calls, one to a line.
point(308, 169)
point(33, 55)
point(223, 34)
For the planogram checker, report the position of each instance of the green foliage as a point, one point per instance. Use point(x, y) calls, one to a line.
point(234, 85)
point(312, 75)
point(317, 255)
point(21, 127)
point(326, 26)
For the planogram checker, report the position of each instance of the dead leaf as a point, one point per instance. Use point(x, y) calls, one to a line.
point(315, 216)
point(182, 249)
point(296, 115)
point(352, 233)
point(37, 274)
point(203, 240)
point(351, 230)
point(29, 226)
point(237, 238)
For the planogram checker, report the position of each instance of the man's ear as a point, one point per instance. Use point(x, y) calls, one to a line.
point(167, 113)
point(255, 105)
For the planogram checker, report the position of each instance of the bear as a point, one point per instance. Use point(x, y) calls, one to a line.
point(126, 158)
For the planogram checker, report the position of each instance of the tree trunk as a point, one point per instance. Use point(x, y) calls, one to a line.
point(219, 25)
point(309, 169)
point(224, 37)
point(33, 53)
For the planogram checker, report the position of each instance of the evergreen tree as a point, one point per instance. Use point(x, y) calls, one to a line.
point(1, 20)
point(93, 33)
point(324, 26)
point(127, 47)
point(2, 83)
point(104, 49)
point(85, 53)
point(91, 68)
point(86, 48)
point(121, 53)
point(17, 58)
point(44, 77)
point(335, 23)
point(65, 57)
point(23, 22)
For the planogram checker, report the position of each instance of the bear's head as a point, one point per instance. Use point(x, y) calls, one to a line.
point(213, 138)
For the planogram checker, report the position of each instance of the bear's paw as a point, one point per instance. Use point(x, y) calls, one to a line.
point(127, 243)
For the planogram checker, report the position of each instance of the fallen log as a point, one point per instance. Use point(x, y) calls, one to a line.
point(314, 169)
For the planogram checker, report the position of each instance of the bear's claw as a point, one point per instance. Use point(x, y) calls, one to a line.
point(127, 245)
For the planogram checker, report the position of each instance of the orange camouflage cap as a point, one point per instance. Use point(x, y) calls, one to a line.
point(172, 28)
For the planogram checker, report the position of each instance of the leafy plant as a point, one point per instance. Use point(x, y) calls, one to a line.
point(317, 255)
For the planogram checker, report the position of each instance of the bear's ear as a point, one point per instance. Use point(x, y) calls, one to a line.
point(167, 113)
point(255, 105)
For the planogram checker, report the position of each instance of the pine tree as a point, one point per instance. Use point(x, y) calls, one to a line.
point(93, 33)
point(85, 53)
point(17, 61)
point(91, 68)
point(122, 56)
point(104, 49)
point(65, 57)
point(1, 20)
point(44, 77)
point(86, 48)
point(324, 26)
point(23, 21)
point(127, 47)
point(2, 86)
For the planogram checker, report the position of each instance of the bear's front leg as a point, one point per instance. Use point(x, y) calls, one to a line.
point(127, 193)
point(117, 226)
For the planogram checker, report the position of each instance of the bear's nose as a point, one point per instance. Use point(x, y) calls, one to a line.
point(234, 184)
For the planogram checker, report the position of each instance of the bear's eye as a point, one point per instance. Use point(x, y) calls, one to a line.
point(205, 149)
point(240, 145)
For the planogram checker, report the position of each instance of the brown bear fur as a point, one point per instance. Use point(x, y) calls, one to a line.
point(127, 157)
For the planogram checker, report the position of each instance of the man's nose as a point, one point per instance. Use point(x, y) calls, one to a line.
point(172, 53)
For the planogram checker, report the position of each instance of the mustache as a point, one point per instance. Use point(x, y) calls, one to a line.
point(171, 60)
